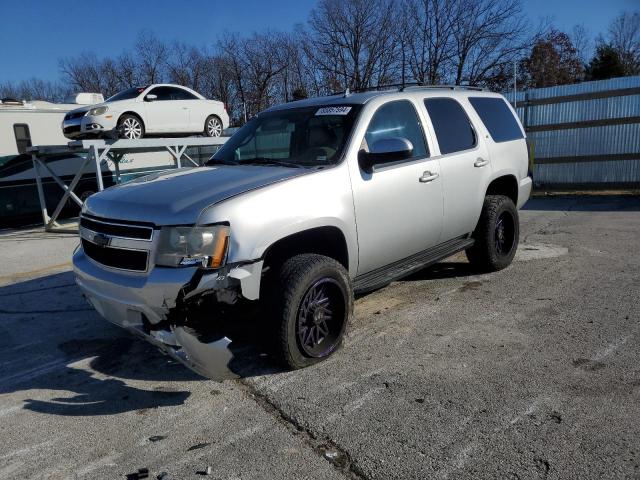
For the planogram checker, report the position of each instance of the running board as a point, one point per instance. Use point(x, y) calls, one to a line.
point(385, 275)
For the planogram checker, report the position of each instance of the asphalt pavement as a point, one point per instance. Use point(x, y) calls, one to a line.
point(531, 372)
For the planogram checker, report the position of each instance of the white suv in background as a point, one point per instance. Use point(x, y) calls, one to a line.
point(157, 109)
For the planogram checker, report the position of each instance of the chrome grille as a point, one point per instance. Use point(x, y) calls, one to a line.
point(117, 244)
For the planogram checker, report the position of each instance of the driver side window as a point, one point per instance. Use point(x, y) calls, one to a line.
point(163, 93)
point(397, 119)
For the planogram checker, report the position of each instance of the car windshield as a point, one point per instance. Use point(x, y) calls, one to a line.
point(127, 94)
point(297, 137)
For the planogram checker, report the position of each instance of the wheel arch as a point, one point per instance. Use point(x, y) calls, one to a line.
point(506, 185)
point(327, 240)
point(135, 114)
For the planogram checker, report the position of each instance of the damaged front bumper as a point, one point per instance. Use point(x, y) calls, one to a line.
point(154, 306)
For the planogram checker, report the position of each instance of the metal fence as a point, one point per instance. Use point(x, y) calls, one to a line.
point(585, 135)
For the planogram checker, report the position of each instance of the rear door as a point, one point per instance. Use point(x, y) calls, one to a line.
point(399, 206)
point(464, 164)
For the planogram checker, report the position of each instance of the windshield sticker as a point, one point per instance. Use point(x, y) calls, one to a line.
point(333, 111)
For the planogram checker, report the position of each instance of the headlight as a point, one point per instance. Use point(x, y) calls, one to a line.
point(97, 111)
point(188, 246)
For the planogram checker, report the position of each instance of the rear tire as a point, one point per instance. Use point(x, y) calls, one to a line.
point(212, 126)
point(496, 235)
point(311, 303)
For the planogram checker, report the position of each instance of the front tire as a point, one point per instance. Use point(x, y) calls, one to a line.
point(496, 235)
point(311, 303)
point(130, 127)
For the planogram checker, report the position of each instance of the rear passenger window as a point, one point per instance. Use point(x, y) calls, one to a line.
point(398, 119)
point(498, 118)
point(451, 124)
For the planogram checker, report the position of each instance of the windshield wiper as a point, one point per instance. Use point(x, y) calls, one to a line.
point(270, 161)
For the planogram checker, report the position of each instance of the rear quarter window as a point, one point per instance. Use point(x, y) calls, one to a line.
point(498, 118)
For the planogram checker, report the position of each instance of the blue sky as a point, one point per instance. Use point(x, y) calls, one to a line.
point(42, 31)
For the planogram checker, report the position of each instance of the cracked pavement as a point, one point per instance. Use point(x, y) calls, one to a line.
point(532, 372)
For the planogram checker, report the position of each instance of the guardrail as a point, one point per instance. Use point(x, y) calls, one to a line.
point(96, 152)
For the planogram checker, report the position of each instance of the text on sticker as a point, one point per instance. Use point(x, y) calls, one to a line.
point(333, 111)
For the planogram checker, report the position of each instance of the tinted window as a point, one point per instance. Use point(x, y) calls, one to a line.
point(397, 119)
point(498, 118)
point(180, 94)
point(23, 137)
point(451, 124)
point(163, 93)
point(127, 94)
point(171, 93)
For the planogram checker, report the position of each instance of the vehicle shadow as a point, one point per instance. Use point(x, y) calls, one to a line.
point(446, 269)
point(584, 203)
point(52, 340)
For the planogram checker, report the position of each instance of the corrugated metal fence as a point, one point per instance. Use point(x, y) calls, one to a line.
point(585, 135)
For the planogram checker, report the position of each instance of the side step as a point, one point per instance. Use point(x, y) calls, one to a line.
point(383, 276)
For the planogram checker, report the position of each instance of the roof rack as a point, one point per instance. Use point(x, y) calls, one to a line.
point(450, 87)
point(401, 87)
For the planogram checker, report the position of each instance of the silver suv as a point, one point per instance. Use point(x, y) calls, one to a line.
point(306, 204)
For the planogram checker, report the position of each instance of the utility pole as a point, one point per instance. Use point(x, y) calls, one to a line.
point(515, 84)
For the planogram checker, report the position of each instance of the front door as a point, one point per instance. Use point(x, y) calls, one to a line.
point(166, 113)
point(399, 206)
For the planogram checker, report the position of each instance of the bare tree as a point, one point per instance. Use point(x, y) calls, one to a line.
point(624, 36)
point(83, 72)
point(428, 26)
point(352, 41)
point(151, 54)
point(582, 42)
point(34, 89)
point(488, 35)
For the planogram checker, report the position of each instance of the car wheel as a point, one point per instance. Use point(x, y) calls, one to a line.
point(130, 127)
point(311, 303)
point(212, 126)
point(496, 235)
point(86, 194)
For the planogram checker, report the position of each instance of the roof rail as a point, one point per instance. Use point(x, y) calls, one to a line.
point(401, 87)
point(450, 87)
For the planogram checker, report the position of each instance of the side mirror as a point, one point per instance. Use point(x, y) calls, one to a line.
point(386, 150)
point(150, 98)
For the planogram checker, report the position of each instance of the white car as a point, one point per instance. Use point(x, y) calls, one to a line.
point(151, 110)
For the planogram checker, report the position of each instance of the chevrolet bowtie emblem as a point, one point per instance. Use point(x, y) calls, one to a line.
point(101, 240)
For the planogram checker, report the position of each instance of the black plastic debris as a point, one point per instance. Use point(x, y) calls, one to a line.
point(141, 474)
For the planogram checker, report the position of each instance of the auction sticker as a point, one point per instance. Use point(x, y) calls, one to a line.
point(333, 111)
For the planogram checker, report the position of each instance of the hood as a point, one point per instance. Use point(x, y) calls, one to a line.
point(84, 109)
point(177, 197)
point(112, 106)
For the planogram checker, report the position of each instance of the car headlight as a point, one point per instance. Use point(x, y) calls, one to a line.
point(97, 111)
point(193, 246)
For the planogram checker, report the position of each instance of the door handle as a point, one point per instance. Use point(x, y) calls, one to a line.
point(185, 108)
point(480, 162)
point(428, 177)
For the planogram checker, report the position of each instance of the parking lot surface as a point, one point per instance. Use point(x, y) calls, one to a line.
point(531, 372)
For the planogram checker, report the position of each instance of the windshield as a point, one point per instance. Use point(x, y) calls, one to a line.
point(297, 137)
point(127, 94)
